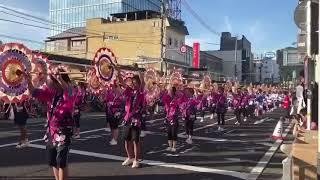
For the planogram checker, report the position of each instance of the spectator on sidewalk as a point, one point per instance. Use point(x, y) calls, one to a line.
point(286, 104)
point(300, 97)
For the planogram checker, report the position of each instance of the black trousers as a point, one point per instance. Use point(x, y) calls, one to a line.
point(245, 112)
point(143, 123)
point(189, 126)
point(221, 118)
point(237, 112)
point(203, 112)
point(173, 131)
point(213, 109)
point(76, 118)
point(251, 110)
point(58, 156)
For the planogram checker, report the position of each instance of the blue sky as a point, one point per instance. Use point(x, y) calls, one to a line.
point(268, 24)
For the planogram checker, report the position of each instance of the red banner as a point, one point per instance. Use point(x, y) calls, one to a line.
point(196, 55)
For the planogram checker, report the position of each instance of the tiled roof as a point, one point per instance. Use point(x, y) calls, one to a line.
point(73, 32)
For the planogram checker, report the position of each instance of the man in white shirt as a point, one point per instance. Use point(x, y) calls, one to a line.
point(299, 95)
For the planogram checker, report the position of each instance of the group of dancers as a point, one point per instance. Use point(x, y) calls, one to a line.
point(128, 103)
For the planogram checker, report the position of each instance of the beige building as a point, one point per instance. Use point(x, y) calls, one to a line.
point(134, 38)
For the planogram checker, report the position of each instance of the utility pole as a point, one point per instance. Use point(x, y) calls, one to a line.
point(307, 79)
point(260, 75)
point(163, 30)
point(235, 59)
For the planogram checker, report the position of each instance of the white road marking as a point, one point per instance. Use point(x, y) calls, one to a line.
point(37, 140)
point(156, 163)
point(263, 162)
point(209, 125)
point(155, 120)
point(93, 137)
point(206, 116)
point(171, 155)
point(155, 152)
point(233, 159)
point(188, 150)
point(230, 131)
point(210, 139)
point(260, 121)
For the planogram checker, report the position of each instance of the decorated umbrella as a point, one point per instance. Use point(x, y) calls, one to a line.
point(151, 78)
point(40, 64)
point(95, 85)
point(104, 63)
point(176, 79)
point(14, 57)
point(206, 83)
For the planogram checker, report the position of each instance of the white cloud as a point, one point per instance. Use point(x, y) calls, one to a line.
point(257, 34)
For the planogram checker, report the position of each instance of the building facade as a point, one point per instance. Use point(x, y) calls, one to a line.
point(131, 44)
point(228, 63)
point(290, 57)
point(267, 71)
point(290, 63)
point(229, 43)
point(66, 14)
point(213, 64)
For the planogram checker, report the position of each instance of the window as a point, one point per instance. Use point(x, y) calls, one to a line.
point(170, 41)
point(77, 43)
point(181, 43)
point(175, 43)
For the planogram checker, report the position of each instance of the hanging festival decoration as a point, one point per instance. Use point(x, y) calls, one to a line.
point(14, 57)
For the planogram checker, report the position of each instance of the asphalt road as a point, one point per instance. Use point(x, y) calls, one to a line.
point(240, 152)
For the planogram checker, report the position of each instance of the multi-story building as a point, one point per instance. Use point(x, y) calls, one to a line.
point(123, 33)
point(228, 63)
point(229, 43)
point(290, 62)
point(66, 14)
point(290, 57)
point(213, 64)
point(267, 71)
point(237, 57)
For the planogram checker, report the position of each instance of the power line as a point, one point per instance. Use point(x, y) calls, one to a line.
point(154, 4)
point(200, 20)
point(28, 15)
point(23, 18)
point(47, 22)
point(50, 45)
point(41, 27)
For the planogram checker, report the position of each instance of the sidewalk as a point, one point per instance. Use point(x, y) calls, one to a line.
point(273, 170)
